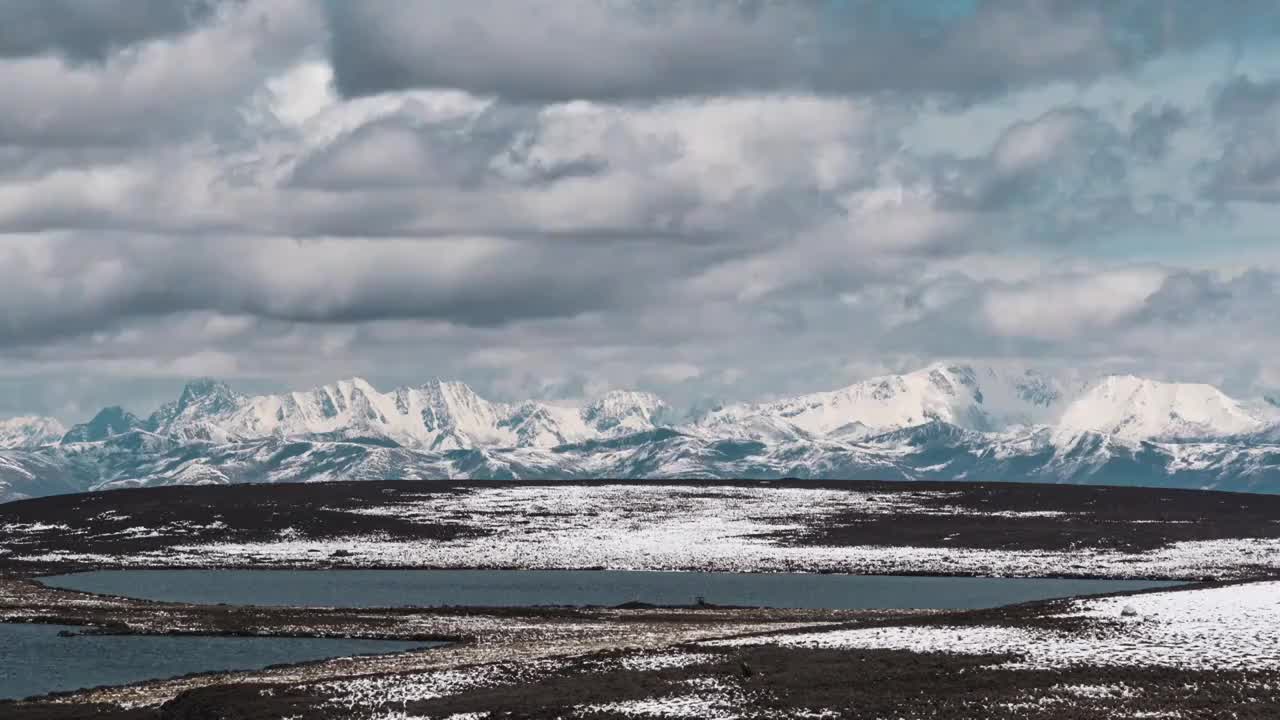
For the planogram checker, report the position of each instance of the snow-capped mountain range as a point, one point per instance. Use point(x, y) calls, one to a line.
point(942, 422)
point(29, 432)
point(438, 416)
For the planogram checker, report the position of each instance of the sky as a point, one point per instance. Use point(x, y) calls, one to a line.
point(709, 199)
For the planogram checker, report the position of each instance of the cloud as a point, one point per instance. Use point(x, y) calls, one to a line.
point(1243, 97)
point(1203, 297)
point(689, 170)
point(57, 288)
point(1071, 174)
point(585, 49)
point(1066, 151)
point(164, 85)
point(1062, 308)
point(1249, 167)
point(90, 30)
point(384, 154)
point(743, 198)
point(1152, 129)
point(557, 50)
point(672, 373)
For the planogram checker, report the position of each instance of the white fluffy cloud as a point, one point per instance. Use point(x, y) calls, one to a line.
point(1064, 307)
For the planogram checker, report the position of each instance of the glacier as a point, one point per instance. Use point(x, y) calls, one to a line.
point(943, 422)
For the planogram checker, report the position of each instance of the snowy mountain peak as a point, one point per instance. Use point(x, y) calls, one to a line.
point(29, 432)
point(207, 397)
point(353, 386)
point(204, 389)
point(974, 398)
point(536, 424)
point(194, 415)
point(625, 411)
point(1136, 408)
point(454, 406)
point(108, 422)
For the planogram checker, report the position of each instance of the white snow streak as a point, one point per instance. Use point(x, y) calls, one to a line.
point(1235, 628)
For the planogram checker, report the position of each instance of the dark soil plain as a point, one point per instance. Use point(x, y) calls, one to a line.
point(552, 663)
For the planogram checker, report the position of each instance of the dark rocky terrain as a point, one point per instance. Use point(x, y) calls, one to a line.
point(613, 663)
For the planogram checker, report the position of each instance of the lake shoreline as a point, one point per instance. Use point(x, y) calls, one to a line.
point(577, 636)
point(473, 633)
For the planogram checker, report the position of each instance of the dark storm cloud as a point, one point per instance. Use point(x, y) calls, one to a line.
point(1058, 153)
point(548, 51)
point(1243, 98)
point(89, 30)
point(566, 49)
point(1152, 129)
point(1248, 114)
point(477, 282)
point(1203, 297)
point(1054, 178)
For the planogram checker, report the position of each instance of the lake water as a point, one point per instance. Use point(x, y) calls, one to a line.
point(35, 660)
point(496, 588)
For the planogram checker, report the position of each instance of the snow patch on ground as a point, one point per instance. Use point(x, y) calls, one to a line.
point(662, 527)
point(694, 707)
point(1096, 692)
point(31, 528)
point(1233, 628)
point(389, 694)
point(711, 545)
point(664, 661)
